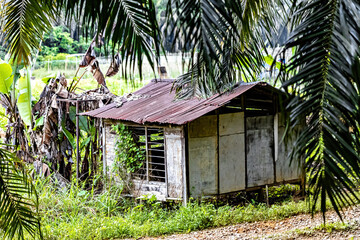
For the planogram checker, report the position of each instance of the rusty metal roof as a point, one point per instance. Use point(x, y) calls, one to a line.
point(156, 104)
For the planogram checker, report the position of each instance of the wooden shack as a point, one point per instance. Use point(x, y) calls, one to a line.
point(203, 147)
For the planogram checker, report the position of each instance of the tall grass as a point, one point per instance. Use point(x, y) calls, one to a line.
point(116, 84)
point(75, 213)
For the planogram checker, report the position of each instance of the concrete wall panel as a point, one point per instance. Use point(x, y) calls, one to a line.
point(110, 138)
point(203, 156)
point(174, 161)
point(232, 163)
point(205, 126)
point(231, 123)
point(260, 147)
point(231, 152)
point(285, 169)
point(202, 166)
point(150, 188)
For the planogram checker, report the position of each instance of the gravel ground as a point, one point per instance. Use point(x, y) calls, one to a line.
point(297, 227)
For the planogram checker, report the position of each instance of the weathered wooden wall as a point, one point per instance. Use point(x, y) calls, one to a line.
point(175, 161)
point(220, 150)
point(203, 171)
point(285, 169)
point(260, 150)
point(231, 152)
point(110, 139)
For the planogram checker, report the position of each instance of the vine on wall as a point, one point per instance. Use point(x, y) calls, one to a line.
point(129, 156)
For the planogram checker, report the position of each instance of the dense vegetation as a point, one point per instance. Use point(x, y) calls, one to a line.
point(75, 213)
point(227, 41)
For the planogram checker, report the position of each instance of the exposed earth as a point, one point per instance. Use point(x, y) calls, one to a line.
point(296, 227)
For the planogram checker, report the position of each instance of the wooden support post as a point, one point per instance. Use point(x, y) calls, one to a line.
point(147, 153)
point(276, 143)
point(166, 166)
point(103, 147)
point(267, 195)
point(77, 142)
point(186, 166)
point(243, 107)
point(218, 150)
point(276, 135)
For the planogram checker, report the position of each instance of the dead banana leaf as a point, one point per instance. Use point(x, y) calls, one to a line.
point(89, 56)
point(114, 67)
point(95, 70)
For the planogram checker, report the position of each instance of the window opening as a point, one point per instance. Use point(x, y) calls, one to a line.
point(152, 142)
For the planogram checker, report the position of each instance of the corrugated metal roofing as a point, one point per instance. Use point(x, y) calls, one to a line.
point(156, 104)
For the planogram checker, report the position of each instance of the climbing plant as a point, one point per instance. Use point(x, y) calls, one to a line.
point(129, 155)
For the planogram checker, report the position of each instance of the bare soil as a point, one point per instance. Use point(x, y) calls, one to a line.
point(296, 227)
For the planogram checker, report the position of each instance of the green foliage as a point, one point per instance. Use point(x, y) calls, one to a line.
point(6, 77)
point(128, 153)
point(46, 80)
point(129, 25)
point(17, 209)
point(282, 191)
point(23, 90)
point(75, 213)
point(323, 80)
point(57, 41)
point(83, 122)
point(24, 98)
point(24, 25)
point(68, 135)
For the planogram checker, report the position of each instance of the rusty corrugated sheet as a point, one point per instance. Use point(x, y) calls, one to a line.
point(157, 105)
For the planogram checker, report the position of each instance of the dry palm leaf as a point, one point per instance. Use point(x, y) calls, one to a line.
point(114, 67)
point(95, 70)
point(89, 56)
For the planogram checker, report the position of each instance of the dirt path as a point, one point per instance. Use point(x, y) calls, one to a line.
point(297, 227)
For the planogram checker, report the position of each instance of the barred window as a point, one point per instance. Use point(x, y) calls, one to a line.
point(151, 141)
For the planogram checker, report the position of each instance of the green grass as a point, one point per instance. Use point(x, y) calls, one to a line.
point(80, 214)
point(116, 84)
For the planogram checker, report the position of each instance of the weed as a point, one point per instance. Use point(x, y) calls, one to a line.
point(75, 213)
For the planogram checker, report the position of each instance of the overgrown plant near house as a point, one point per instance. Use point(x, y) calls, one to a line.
point(76, 213)
point(129, 156)
point(15, 98)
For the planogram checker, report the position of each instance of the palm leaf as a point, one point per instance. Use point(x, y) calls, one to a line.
point(17, 214)
point(129, 25)
point(224, 39)
point(326, 86)
point(24, 24)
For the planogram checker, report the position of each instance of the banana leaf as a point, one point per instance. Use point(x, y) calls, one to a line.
point(6, 77)
point(69, 136)
point(24, 99)
point(83, 122)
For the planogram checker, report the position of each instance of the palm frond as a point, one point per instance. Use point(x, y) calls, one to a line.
point(224, 40)
point(24, 24)
point(17, 214)
point(326, 86)
point(129, 25)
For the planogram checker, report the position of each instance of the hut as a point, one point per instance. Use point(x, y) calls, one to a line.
point(203, 147)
